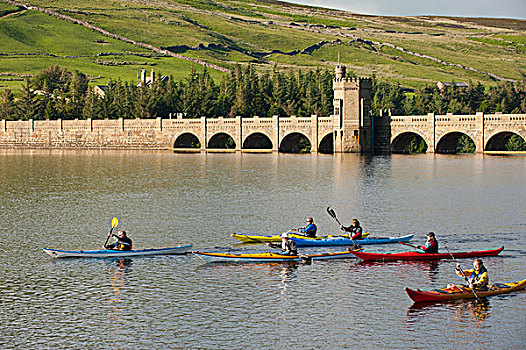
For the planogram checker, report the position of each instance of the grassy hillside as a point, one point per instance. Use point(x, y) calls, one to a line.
point(411, 50)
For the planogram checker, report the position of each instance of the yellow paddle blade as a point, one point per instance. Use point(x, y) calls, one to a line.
point(114, 222)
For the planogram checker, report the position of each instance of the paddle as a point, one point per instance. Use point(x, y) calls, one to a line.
point(114, 223)
point(410, 245)
point(254, 239)
point(333, 214)
point(463, 275)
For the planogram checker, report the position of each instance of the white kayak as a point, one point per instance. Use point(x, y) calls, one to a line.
point(103, 253)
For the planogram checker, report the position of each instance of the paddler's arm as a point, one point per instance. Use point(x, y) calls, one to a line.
point(462, 273)
point(273, 245)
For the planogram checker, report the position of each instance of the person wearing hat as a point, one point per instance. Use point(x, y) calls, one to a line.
point(123, 242)
point(310, 229)
point(287, 246)
point(431, 244)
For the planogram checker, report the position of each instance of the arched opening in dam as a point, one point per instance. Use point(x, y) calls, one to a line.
point(222, 141)
point(408, 143)
point(257, 140)
point(455, 142)
point(295, 143)
point(187, 140)
point(327, 144)
point(505, 141)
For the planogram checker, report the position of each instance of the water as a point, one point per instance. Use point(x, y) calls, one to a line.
point(66, 200)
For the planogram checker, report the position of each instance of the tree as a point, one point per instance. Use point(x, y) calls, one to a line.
point(28, 105)
point(52, 78)
point(91, 108)
point(50, 111)
point(7, 105)
point(465, 145)
point(515, 143)
point(417, 145)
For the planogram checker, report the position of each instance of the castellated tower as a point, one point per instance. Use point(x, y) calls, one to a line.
point(352, 118)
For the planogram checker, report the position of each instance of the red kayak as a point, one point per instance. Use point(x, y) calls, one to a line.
point(424, 256)
point(461, 292)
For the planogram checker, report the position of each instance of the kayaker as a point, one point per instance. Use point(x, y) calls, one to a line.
point(431, 246)
point(310, 229)
point(288, 246)
point(354, 230)
point(123, 242)
point(477, 276)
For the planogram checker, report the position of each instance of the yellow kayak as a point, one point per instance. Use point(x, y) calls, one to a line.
point(269, 257)
point(277, 238)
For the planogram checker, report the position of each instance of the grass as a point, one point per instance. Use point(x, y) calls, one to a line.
point(245, 27)
point(35, 32)
point(101, 74)
point(513, 38)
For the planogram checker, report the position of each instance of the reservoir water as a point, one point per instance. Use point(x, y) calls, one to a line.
point(66, 200)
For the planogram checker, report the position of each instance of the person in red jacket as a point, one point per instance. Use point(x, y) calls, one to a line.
point(431, 244)
point(354, 230)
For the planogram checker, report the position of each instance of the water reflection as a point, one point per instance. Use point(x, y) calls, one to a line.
point(478, 310)
point(287, 274)
point(430, 267)
point(473, 310)
point(118, 273)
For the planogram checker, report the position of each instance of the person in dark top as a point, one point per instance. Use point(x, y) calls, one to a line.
point(310, 229)
point(287, 246)
point(431, 244)
point(354, 230)
point(123, 242)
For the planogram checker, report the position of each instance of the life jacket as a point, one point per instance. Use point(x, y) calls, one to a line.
point(123, 244)
point(310, 230)
point(355, 232)
point(476, 277)
point(432, 246)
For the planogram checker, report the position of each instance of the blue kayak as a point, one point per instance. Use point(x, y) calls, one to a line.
point(338, 240)
point(56, 253)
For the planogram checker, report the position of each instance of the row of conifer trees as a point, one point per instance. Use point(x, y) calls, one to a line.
point(58, 93)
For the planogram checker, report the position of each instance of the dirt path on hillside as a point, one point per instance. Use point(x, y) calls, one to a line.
point(13, 13)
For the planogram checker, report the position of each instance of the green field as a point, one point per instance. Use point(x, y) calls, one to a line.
point(267, 34)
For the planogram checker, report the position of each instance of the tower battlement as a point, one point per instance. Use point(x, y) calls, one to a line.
point(352, 105)
point(354, 80)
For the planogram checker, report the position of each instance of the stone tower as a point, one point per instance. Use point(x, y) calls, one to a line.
point(352, 106)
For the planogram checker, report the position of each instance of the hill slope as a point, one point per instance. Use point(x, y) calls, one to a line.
point(115, 39)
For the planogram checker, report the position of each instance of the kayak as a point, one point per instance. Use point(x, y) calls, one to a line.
point(425, 256)
point(277, 238)
point(333, 241)
point(268, 257)
point(55, 253)
point(461, 292)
